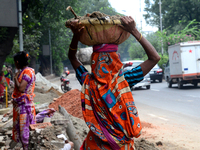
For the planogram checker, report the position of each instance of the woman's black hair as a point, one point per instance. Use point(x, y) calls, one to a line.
point(22, 57)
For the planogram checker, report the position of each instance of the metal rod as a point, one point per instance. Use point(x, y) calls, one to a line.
point(50, 51)
point(6, 97)
point(141, 15)
point(20, 26)
point(161, 22)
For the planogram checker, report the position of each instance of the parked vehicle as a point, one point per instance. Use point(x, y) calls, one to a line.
point(65, 84)
point(183, 66)
point(128, 65)
point(156, 73)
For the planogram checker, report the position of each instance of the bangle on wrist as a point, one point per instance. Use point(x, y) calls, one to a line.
point(72, 48)
point(140, 37)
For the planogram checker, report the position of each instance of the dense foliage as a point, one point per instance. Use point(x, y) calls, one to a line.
point(41, 17)
point(173, 11)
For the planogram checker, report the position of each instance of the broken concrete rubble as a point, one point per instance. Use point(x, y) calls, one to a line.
point(46, 138)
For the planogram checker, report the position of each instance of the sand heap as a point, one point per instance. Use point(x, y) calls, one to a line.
point(44, 81)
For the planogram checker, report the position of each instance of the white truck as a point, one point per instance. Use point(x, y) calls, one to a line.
point(183, 66)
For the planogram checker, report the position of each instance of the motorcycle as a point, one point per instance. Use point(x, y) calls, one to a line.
point(65, 84)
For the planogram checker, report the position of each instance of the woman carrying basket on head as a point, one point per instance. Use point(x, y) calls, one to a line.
point(107, 104)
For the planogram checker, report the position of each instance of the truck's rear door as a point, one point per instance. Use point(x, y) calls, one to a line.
point(188, 55)
point(198, 59)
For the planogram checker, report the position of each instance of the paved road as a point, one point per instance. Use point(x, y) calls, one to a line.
point(185, 101)
point(175, 112)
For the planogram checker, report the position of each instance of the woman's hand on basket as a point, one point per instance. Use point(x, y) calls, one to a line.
point(128, 24)
point(77, 29)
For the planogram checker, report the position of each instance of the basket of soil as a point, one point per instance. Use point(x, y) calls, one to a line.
point(100, 28)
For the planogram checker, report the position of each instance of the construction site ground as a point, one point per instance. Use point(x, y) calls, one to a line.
point(157, 134)
point(175, 134)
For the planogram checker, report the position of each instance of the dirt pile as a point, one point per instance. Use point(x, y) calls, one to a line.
point(40, 79)
point(96, 14)
point(42, 96)
point(71, 102)
point(143, 144)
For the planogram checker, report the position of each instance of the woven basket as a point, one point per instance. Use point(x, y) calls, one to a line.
point(101, 30)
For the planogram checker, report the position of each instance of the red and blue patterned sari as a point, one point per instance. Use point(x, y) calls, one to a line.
point(107, 103)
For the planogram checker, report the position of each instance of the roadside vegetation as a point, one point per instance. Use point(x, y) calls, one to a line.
point(181, 23)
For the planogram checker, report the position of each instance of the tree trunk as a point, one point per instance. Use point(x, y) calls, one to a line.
point(6, 45)
point(33, 62)
point(45, 65)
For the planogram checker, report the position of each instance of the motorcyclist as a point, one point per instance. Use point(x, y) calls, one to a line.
point(67, 72)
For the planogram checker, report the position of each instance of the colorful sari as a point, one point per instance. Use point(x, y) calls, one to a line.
point(2, 88)
point(23, 108)
point(107, 103)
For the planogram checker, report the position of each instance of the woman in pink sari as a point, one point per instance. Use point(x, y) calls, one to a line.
point(23, 106)
point(2, 87)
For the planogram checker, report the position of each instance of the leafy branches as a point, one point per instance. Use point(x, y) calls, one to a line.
point(189, 33)
point(3, 34)
point(173, 11)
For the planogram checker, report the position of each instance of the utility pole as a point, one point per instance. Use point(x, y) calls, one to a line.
point(50, 51)
point(161, 21)
point(20, 26)
point(141, 15)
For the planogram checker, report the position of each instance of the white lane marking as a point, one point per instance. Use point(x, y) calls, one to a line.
point(193, 96)
point(162, 118)
point(152, 115)
point(184, 100)
point(155, 90)
point(190, 100)
point(178, 100)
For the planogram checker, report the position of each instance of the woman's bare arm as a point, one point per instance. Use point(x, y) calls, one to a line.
point(77, 30)
point(153, 57)
point(20, 86)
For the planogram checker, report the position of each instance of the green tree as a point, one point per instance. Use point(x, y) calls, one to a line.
point(173, 11)
point(189, 33)
point(136, 51)
point(39, 17)
point(8, 33)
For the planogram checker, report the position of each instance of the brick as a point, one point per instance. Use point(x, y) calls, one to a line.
point(47, 119)
point(60, 122)
point(58, 143)
point(2, 143)
point(12, 144)
point(40, 125)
